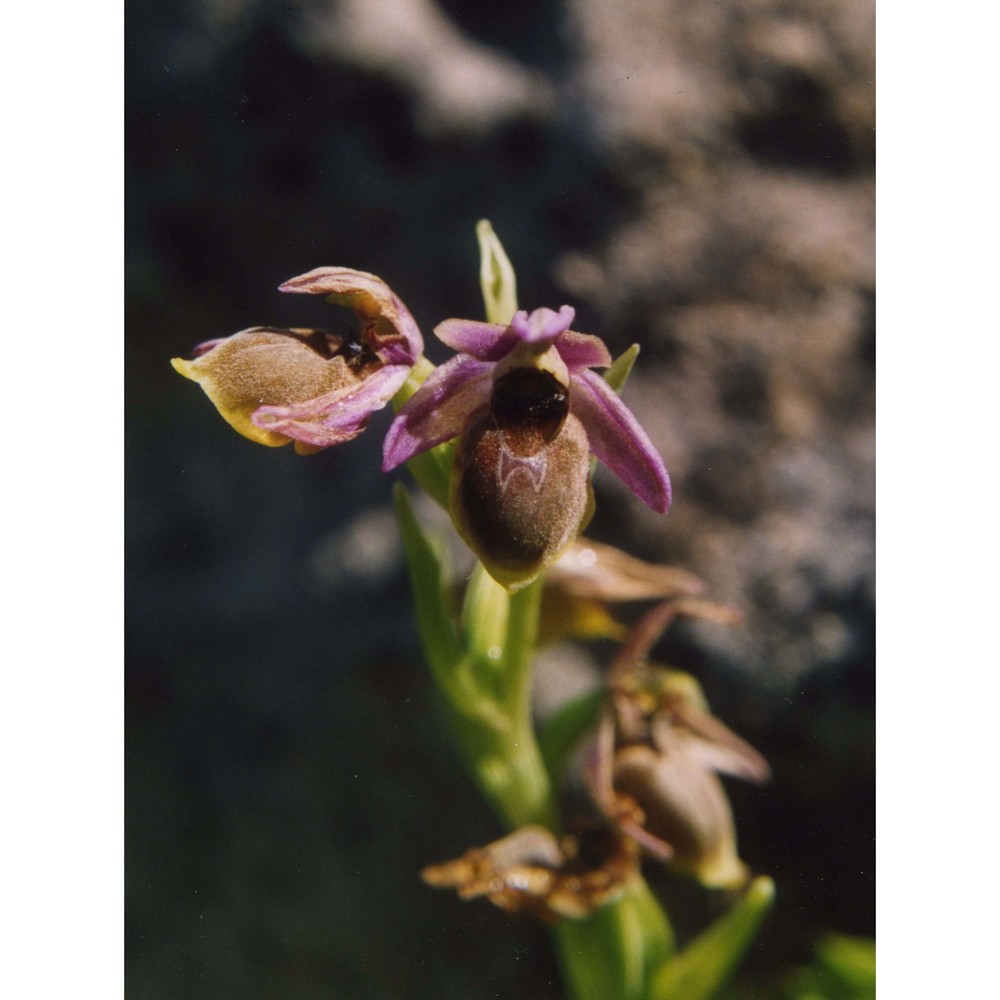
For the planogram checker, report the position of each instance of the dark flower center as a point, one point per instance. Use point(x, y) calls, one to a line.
point(530, 407)
point(349, 346)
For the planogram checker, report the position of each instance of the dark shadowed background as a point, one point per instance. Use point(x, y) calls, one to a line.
point(696, 177)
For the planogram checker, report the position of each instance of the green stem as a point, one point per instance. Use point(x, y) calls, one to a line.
point(483, 670)
point(500, 632)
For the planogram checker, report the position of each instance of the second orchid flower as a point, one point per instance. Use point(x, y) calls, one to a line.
point(308, 386)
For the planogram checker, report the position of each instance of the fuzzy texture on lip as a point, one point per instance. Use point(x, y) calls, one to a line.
point(275, 386)
point(442, 408)
point(519, 512)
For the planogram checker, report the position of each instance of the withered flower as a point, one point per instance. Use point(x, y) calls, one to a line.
point(653, 767)
point(589, 579)
point(313, 387)
point(528, 412)
point(530, 871)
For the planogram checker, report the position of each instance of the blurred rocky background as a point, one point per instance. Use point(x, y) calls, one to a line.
point(696, 176)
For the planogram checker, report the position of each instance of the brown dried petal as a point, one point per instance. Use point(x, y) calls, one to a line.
point(529, 871)
point(634, 654)
point(590, 570)
point(584, 583)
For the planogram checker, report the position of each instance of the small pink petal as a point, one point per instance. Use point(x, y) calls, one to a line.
point(483, 341)
point(205, 346)
point(395, 338)
point(542, 324)
point(438, 410)
point(581, 350)
point(618, 440)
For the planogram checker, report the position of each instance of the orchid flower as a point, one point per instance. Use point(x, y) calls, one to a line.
point(528, 412)
point(316, 388)
point(653, 766)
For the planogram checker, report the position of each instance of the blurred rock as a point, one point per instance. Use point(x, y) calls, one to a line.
point(460, 86)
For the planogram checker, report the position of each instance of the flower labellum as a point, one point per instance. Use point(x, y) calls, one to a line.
point(528, 413)
point(309, 386)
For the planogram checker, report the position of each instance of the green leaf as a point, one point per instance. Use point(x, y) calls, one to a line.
point(498, 632)
point(565, 727)
point(706, 964)
point(617, 375)
point(450, 664)
point(614, 951)
point(851, 959)
point(844, 970)
point(432, 472)
point(522, 642)
point(430, 595)
point(496, 276)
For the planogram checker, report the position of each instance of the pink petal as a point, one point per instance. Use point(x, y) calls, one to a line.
point(484, 341)
point(542, 324)
point(337, 416)
point(618, 441)
point(717, 747)
point(492, 342)
point(396, 338)
point(337, 281)
point(581, 350)
point(205, 346)
point(438, 410)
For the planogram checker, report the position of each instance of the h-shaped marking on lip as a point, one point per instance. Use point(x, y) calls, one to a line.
point(534, 466)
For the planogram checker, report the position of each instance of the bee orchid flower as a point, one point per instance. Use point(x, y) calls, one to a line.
point(309, 386)
point(528, 412)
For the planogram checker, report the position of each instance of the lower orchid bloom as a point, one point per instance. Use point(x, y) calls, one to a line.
point(528, 413)
point(308, 386)
point(653, 767)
